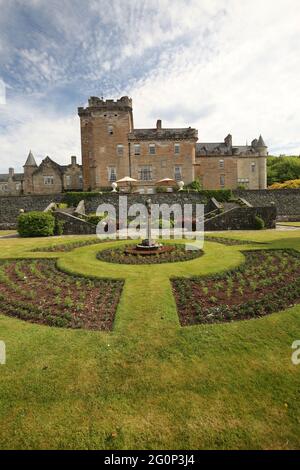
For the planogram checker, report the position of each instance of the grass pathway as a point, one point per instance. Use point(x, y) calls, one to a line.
point(150, 383)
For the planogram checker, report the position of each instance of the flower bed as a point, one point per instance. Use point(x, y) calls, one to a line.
point(68, 246)
point(231, 241)
point(119, 255)
point(35, 290)
point(268, 282)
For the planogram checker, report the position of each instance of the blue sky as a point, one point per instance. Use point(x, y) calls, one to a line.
point(219, 65)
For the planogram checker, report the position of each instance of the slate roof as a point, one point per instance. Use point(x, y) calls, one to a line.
point(163, 134)
point(30, 160)
point(17, 177)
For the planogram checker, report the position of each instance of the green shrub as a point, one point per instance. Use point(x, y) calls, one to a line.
point(62, 205)
point(72, 199)
point(259, 223)
point(36, 224)
point(94, 219)
point(161, 189)
point(195, 185)
point(59, 227)
point(221, 195)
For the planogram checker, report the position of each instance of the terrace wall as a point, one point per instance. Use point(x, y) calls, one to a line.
point(287, 201)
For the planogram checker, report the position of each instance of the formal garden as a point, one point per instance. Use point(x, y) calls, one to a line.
point(108, 349)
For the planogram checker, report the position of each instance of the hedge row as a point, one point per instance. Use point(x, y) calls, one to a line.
point(221, 195)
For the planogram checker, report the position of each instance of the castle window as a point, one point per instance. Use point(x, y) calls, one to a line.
point(177, 173)
point(48, 180)
point(145, 173)
point(18, 186)
point(112, 174)
point(80, 180)
point(253, 166)
point(221, 163)
point(137, 149)
point(177, 149)
point(120, 150)
point(152, 149)
point(110, 130)
point(222, 181)
point(68, 180)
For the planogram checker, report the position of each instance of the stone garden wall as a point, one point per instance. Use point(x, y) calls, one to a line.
point(287, 201)
point(74, 226)
point(181, 198)
point(10, 207)
point(242, 218)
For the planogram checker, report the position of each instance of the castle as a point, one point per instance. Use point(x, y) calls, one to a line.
point(112, 148)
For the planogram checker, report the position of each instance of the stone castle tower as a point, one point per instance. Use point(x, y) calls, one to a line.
point(105, 126)
point(29, 167)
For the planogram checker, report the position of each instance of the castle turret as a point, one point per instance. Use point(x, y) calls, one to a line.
point(105, 126)
point(228, 141)
point(29, 167)
point(262, 150)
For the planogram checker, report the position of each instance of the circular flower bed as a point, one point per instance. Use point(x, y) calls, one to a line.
point(119, 255)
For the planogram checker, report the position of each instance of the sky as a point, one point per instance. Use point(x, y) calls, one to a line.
point(221, 66)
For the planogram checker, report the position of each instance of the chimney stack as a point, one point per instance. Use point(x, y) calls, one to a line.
point(73, 160)
point(11, 172)
point(158, 124)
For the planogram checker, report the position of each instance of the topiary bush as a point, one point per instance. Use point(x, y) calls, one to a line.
point(259, 223)
point(36, 224)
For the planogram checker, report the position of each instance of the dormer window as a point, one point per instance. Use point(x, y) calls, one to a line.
point(110, 130)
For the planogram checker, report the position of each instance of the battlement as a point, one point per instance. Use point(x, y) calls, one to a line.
point(95, 103)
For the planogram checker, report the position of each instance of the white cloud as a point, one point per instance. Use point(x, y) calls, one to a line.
point(43, 132)
point(250, 81)
point(221, 66)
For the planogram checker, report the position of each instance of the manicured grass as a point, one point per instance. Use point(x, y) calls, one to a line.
point(293, 224)
point(3, 233)
point(150, 383)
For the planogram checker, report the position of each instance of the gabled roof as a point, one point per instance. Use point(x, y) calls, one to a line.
point(30, 160)
point(52, 163)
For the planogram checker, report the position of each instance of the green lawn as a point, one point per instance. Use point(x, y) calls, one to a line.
point(293, 224)
point(150, 383)
point(3, 233)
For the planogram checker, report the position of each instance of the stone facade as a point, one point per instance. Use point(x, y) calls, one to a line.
point(47, 178)
point(112, 148)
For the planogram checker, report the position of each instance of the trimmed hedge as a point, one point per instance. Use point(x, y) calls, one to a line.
point(221, 195)
point(72, 199)
point(36, 224)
